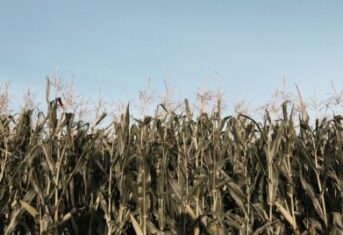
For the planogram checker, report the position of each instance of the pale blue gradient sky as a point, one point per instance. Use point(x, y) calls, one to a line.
point(249, 46)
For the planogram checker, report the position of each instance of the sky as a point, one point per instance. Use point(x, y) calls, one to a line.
point(245, 48)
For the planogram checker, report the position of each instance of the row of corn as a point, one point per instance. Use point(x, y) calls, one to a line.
point(170, 174)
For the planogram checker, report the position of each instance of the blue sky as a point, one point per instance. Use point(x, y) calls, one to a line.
point(244, 47)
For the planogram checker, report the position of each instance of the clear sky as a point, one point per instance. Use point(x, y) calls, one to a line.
point(245, 47)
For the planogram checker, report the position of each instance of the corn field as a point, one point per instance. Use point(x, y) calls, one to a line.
point(170, 174)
